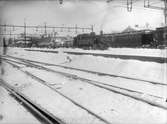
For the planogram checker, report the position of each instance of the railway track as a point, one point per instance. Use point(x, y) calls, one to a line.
point(66, 97)
point(84, 70)
point(126, 92)
point(41, 114)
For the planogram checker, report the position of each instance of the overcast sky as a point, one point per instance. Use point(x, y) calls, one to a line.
point(110, 17)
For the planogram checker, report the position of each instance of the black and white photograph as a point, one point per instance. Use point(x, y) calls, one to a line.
point(83, 61)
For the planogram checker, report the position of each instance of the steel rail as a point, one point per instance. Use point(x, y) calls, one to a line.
point(68, 98)
point(42, 115)
point(85, 70)
point(29, 64)
point(96, 83)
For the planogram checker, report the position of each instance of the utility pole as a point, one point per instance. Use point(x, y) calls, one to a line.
point(45, 30)
point(4, 37)
point(76, 29)
point(92, 28)
point(5, 28)
point(10, 31)
point(25, 30)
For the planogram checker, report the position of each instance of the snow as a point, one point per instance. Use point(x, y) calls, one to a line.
point(140, 86)
point(113, 107)
point(116, 51)
point(150, 71)
point(11, 112)
point(48, 99)
point(19, 52)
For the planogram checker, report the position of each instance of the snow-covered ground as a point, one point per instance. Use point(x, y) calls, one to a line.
point(113, 107)
point(116, 51)
point(48, 99)
point(150, 71)
point(140, 86)
point(11, 112)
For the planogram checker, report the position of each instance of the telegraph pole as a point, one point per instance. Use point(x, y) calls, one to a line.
point(92, 28)
point(25, 30)
point(5, 28)
point(76, 29)
point(10, 31)
point(45, 29)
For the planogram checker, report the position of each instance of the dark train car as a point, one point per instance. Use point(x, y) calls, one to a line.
point(130, 39)
point(84, 40)
point(147, 38)
point(160, 35)
point(101, 42)
point(126, 40)
point(44, 42)
point(68, 44)
point(90, 41)
point(143, 38)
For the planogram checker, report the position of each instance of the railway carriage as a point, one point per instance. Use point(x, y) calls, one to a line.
point(126, 39)
point(84, 40)
point(160, 36)
point(90, 41)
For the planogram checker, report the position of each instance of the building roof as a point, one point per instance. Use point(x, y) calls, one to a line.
point(128, 29)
